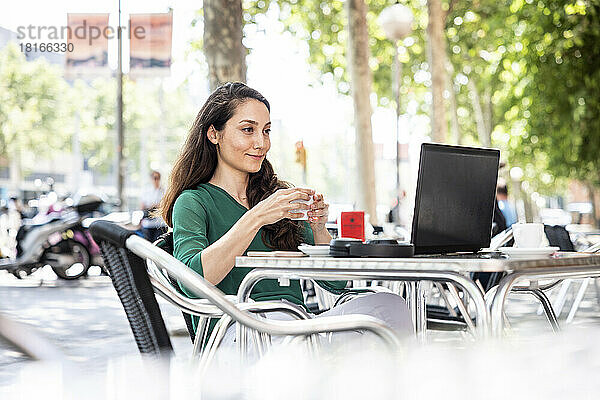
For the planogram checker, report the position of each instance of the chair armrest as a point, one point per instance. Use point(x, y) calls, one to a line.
point(593, 249)
point(204, 308)
point(201, 288)
point(198, 307)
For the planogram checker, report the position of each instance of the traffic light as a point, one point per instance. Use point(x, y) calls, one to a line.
point(301, 154)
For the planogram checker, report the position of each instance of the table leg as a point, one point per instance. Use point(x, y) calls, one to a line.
point(411, 303)
point(421, 311)
point(483, 313)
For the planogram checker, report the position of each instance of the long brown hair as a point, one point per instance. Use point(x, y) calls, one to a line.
point(197, 162)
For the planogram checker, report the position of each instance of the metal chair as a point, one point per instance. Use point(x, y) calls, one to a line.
point(326, 295)
point(124, 254)
point(561, 298)
point(557, 236)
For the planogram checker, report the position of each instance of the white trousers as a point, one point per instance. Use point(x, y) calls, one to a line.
point(387, 307)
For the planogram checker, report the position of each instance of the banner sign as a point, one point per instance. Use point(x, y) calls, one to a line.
point(87, 42)
point(150, 44)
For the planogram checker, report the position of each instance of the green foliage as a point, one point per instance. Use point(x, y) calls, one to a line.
point(143, 118)
point(539, 63)
point(561, 89)
point(322, 25)
point(534, 63)
point(40, 111)
point(32, 106)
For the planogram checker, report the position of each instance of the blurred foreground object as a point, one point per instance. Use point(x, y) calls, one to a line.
point(24, 339)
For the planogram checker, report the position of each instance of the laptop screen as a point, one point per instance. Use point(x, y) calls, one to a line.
point(454, 204)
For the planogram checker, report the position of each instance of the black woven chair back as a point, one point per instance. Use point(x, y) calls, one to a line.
point(130, 279)
point(558, 236)
point(165, 242)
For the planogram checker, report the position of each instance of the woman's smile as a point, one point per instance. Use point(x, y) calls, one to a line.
point(256, 157)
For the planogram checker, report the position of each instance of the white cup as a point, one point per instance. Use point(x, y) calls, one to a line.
point(528, 235)
point(304, 213)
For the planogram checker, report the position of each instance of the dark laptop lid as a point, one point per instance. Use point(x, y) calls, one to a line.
point(454, 204)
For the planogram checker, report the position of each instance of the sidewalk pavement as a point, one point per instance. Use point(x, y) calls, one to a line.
point(83, 318)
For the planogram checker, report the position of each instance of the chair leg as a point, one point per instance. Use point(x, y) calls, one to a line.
point(461, 306)
point(562, 296)
point(214, 342)
point(314, 344)
point(415, 299)
point(201, 332)
point(421, 302)
point(597, 286)
point(445, 298)
point(261, 342)
point(545, 302)
point(489, 295)
point(577, 301)
point(398, 286)
point(410, 302)
point(506, 321)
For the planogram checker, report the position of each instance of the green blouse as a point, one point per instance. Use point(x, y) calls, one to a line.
point(203, 215)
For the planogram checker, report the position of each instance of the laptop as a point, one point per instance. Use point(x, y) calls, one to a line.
point(454, 203)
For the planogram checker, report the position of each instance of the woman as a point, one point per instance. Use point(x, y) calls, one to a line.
point(224, 199)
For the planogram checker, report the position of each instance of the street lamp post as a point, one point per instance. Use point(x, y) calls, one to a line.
point(516, 175)
point(396, 22)
point(120, 136)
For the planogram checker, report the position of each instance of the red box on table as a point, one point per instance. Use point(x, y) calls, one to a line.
point(352, 225)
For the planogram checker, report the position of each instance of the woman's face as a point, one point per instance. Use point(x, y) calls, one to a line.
point(244, 141)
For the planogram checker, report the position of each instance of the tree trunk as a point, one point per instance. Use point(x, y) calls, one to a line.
point(482, 132)
point(454, 126)
point(360, 77)
point(595, 214)
point(437, 61)
point(488, 113)
point(225, 53)
point(456, 136)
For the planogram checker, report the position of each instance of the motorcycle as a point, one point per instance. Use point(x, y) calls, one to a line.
point(60, 240)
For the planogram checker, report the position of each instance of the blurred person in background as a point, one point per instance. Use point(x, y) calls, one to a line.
point(505, 206)
point(224, 199)
point(400, 212)
point(15, 204)
point(152, 226)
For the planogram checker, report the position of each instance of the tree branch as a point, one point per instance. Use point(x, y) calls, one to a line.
point(451, 5)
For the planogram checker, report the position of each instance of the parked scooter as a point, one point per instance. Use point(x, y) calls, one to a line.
point(59, 241)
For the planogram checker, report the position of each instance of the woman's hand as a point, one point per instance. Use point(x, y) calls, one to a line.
point(318, 214)
point(278, 205)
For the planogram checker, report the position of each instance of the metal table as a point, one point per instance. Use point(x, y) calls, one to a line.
point(419, 269)
point(563, 266)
